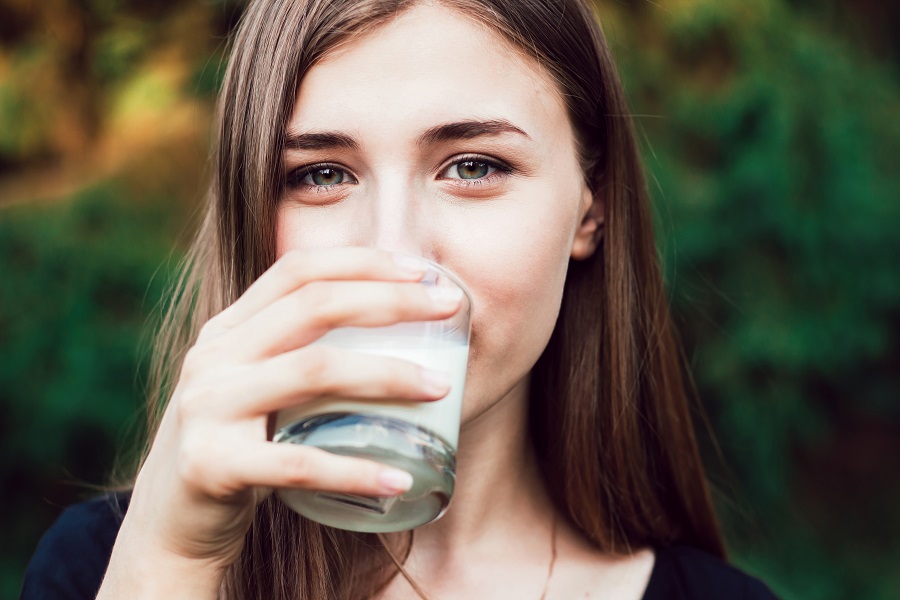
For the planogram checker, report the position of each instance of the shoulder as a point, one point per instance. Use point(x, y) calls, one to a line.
point(684, 573)
point(72, 556)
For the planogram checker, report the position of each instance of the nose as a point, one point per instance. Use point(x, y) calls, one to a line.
point(396, 216)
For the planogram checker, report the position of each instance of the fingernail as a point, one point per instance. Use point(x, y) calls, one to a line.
point(445, 297)
point(394, 481)
point(437, 382)
point(410, 265)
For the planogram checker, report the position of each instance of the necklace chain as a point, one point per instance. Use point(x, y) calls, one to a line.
point(552, 558)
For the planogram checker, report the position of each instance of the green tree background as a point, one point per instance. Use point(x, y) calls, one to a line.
point(771, 135)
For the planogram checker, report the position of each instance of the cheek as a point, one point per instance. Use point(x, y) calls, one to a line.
point(519, 277)
point(314, 227)
point(514, 259)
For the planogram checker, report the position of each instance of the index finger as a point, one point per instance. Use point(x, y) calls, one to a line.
point(296, 268)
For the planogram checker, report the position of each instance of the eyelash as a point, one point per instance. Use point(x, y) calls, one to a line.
point(294, 179)
point(501, 167)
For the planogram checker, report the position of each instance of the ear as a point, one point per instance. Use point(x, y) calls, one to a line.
point(590, 230)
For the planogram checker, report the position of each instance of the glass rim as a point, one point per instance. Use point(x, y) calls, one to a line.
point(444, 271)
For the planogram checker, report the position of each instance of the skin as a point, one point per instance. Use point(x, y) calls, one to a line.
point(505, 210)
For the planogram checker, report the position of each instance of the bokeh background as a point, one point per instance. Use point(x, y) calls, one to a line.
point(771, 134)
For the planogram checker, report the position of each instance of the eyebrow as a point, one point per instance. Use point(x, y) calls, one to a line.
point(460, 130)
point(464, 130)
point(319, 141)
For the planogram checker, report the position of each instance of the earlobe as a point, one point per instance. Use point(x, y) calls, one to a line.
point(590, 231)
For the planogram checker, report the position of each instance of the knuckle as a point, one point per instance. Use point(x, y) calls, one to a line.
point(193, 362)
point(319, 293)
point(299, 471)
point(317, 302)
point(200, 358)
point(195, 459)
point(324, 369)
point(222, 320)
point(316, 365)
point(188, 406)
point(199, 399)
point(213, 327)
point(208, 331)
point(291, 261)
point(396, 302)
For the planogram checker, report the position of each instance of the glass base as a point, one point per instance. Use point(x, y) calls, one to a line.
point(422, 454)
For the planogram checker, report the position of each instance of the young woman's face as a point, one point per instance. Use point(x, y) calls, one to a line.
point(431, 136)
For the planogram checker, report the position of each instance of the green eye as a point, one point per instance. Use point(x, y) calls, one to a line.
point(318, 176)
point(325, 176)
point(471, 169)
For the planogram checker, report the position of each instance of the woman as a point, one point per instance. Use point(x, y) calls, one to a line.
point(490, 136)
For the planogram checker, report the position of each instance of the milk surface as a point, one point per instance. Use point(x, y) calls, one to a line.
point(440, 417)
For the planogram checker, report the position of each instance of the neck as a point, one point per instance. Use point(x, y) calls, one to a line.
point(499, 490)
point(502, 534)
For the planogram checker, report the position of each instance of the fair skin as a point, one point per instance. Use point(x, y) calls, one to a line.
point(505, 207)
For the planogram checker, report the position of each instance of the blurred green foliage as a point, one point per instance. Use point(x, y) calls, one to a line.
point(772, 146)
point(79, 279)
point(770, 130)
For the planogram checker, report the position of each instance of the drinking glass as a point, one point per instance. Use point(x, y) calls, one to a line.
point(417, 437)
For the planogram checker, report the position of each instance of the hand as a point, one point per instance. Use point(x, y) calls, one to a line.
point(211, 461)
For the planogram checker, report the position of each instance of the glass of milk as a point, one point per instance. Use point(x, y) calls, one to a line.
point(417, 437)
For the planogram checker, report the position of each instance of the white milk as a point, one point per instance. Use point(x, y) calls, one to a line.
point(440, 417)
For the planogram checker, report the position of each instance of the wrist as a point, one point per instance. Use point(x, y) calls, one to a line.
point(142, 570)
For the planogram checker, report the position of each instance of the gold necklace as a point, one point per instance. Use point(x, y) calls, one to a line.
point(552, 557)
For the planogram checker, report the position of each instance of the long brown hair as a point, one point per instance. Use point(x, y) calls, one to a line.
point(609, 407)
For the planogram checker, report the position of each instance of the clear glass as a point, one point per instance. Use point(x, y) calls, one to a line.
point(417, 437)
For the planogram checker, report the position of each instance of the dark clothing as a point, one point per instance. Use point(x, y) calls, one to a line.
point(685, 573)
point(72, 556)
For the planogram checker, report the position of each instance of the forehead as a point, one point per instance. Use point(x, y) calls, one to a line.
point(426, 65)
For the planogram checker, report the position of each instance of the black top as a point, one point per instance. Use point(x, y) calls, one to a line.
point(72, 556)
